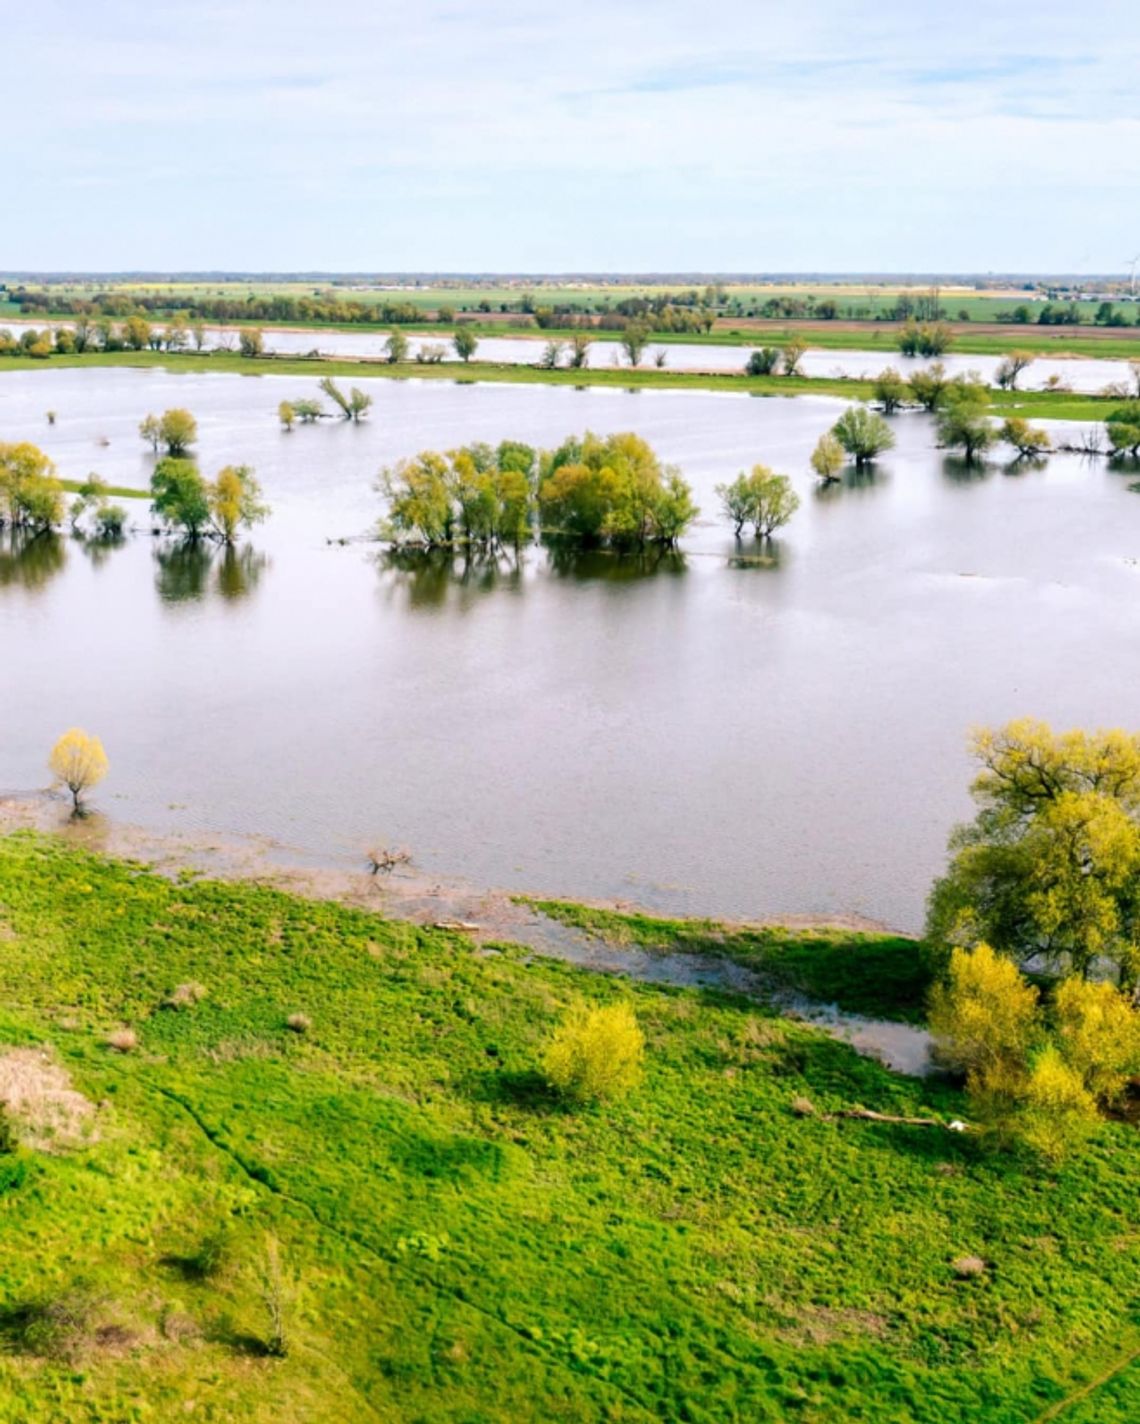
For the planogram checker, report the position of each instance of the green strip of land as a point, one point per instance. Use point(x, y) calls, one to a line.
point(1053, 405)
point(111, 491)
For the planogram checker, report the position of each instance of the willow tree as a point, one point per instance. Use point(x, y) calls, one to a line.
point(235, 503)
point(1049, 869)
point(78, 762)
point(863, 434)
point(31, 496)
point(761, 498)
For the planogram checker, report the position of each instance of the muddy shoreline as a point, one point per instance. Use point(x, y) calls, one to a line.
point(487, 915)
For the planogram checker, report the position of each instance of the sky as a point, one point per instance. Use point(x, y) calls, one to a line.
point(596, 135)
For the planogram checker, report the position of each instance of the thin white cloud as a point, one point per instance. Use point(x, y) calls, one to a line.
point(607, 134)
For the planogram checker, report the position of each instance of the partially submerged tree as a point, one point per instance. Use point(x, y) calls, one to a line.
point(251, 341)
point(891, 391)
point(175, 429)
point(634, 339)
point(613, 489)
point(287, 414)
point(466, 343)
point(353, 406)
point(580, 345)
point(761, 498)
point(828, 457)
point(476, 495)
point(1010, 368)
point(863, 434)
point(551, 355)
point(78, 762)
point(1122, 426)
point(963, 422)
point(179, 496)
point(792, 355)
point(928, 386)
point(31, 496)
point(1029, 441)
point(235, 503)
point(396, 347)
point(765, 361)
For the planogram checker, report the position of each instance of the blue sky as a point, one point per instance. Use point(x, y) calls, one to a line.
point(512, 135)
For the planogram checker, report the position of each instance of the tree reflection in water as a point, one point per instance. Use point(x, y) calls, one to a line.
point(193, 569)
point(572, 561)
point(427, 578)
point(29, 560)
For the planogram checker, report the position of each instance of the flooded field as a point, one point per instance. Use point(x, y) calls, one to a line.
point(731, 730)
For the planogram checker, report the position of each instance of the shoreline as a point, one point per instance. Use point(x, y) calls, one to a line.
point(487, 917)
point(979, 338)
point(1055, 405)
point(402, 893)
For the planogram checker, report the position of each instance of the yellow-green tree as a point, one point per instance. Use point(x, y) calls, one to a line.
point(828, 457)
point(1050, 866)
point(78, 762)
point(31, 496)
point(1098, 1034)
point(234, 500)
point(596, 1053)
point(176, 429)
point(1056, 1111)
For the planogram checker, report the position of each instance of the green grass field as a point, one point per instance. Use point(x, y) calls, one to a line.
point(454, 1244)
point(1040, 404)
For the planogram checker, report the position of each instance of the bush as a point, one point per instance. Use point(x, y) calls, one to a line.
point(595, 1053)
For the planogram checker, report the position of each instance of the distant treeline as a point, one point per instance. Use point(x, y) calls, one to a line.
point(283, 308)
point(689, 310)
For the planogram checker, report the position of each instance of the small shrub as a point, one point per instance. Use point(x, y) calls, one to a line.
point(58, 1329)
point(211, 1258)
point(299, 1023)
point(966, 1267)
point(185, 996)
point(803, 1107)
point(596, 1053)
point(123, 1040)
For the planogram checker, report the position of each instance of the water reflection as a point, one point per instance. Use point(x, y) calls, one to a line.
point(959, 471)
point(757, 554)
point(860, 478)
point(426, 578)
point(98, 548)
point(1025, 464)
point(191, 569)
point(29, 560)
point(572, 561)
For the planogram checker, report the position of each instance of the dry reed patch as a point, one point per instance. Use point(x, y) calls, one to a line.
point(45, 1111)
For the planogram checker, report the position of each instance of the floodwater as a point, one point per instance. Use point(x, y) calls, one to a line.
point(731, 730)
point(1077, 373)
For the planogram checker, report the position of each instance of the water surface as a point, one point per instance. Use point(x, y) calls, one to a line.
point(732, 731)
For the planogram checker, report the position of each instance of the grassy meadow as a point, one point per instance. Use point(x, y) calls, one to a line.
point(381, 1213)
point(1045, 405)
